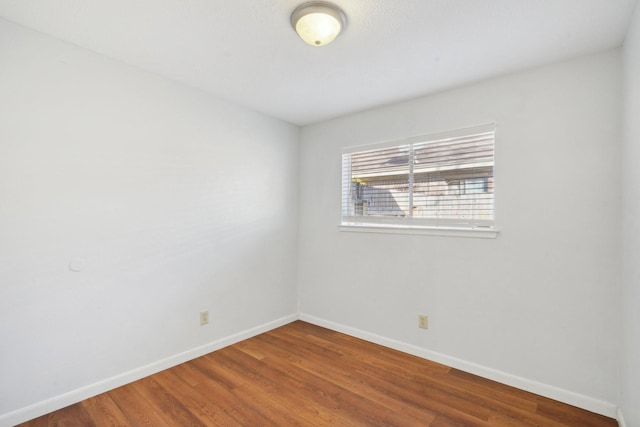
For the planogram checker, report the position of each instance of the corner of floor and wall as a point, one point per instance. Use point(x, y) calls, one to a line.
point(190, 204)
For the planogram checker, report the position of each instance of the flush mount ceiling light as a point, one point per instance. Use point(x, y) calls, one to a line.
point(318, 22)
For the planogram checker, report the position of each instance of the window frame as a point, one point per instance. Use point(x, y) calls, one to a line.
point(411, 225)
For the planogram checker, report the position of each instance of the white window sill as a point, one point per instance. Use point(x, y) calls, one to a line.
point(483, 233)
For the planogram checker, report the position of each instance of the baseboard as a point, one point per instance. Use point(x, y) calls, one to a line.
point(58, 402)
point(561, 395)
point(620, 418)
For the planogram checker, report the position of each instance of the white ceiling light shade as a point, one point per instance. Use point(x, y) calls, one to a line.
point(318, 22)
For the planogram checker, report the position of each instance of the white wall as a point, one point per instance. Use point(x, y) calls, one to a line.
point(630, 399)
point(541, 301)
point(175, 201)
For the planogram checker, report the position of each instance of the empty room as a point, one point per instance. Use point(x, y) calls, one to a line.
point(356, 212)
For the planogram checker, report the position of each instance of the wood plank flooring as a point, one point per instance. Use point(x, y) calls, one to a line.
point(305, 375)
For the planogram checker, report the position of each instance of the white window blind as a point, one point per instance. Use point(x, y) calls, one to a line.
point(442, 180)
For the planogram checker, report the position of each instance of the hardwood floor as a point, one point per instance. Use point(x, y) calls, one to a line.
point(304, 375)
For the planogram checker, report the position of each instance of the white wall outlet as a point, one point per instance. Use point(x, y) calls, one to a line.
point(204, 317)
point(423, 321)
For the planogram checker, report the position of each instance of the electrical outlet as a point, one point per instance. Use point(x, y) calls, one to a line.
point(204, 317)
point(423, 321)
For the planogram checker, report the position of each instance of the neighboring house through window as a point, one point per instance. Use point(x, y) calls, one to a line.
point(435, 181)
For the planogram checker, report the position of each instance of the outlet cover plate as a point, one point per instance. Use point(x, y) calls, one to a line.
point(204, 317)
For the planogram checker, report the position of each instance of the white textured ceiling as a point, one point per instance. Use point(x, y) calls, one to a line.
point(246, 51)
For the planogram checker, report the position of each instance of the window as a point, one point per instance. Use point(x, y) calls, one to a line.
point(476, 185)
point(442, 181)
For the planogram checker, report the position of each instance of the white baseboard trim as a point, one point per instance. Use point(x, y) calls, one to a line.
point(74, 396)
point(620, 418)
point(561, 395)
